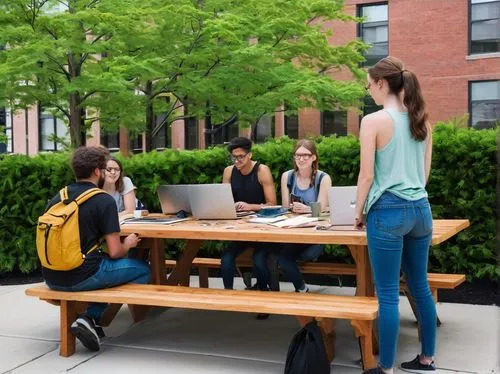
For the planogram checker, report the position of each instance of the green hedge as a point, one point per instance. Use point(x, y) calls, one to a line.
point(462, 185)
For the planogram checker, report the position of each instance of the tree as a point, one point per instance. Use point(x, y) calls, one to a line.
point(230, 61)
point(53, 56)
point(235, 61)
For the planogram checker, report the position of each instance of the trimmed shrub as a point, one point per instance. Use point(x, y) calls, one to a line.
point(462, 185)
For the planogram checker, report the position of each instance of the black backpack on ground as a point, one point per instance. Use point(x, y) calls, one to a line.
point(307, 353)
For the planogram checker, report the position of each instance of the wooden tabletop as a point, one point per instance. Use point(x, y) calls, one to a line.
point(242, 230)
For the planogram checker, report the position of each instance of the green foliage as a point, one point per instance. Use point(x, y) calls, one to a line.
point(462, 185)
point(124, 61)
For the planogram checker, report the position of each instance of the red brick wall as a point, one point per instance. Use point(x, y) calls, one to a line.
point(431, 37)
point(437, 52)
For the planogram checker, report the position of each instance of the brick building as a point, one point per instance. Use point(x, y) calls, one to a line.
point(452, 45)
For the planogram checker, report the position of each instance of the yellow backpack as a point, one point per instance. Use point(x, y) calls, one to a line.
point(58, 233)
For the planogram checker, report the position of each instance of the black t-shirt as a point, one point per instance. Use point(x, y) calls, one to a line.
point(97, 217)
point(247, 188)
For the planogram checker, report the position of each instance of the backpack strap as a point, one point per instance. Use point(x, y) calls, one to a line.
point(63, 193)
point(80, 200)
point(87, 195)
point(290, 180)
point(317, 182)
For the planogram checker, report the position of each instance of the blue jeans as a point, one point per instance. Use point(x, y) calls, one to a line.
point(399, 234)
point(111, 273)
point(261, 270)
point(291, 253)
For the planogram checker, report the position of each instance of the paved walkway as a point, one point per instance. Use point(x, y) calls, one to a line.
point(191, 341)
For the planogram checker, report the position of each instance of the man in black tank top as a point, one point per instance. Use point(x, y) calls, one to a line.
point(253, 187)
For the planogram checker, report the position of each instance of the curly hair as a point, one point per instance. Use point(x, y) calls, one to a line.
point(86, 159)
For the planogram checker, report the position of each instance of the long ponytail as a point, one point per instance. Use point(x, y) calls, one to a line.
point(414, 102)
point(398, 78)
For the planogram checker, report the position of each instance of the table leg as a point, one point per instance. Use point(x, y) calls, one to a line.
point(157, 264)
point(364, 279)
point(180, 274)
point(157, 261)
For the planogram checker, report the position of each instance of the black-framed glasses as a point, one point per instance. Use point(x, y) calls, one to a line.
point(303, 156)
point(238, 157)
point(113, 170)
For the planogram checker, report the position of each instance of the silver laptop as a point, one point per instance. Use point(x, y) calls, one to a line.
point(212, 201)
point(174, 198)
point(342, 201)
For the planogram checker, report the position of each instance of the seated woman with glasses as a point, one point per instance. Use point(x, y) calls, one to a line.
point(120, 187)
point(301, 186)
point(253, 187)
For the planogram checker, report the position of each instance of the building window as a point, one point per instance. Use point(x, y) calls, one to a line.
point(369, 106)
point(162, 139)
point(484, 26)
point(190, 130)
point(484, 104)
point(291, 125)
point(374, 31)
point(136, 144)
point(6, 127)
point(220, 134)
point(334, 122)
point(53, 131)
point(264, 129)
point(111, 140)
point(190, 133)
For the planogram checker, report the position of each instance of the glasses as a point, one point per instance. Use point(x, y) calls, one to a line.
point(303, 156)
point(238, 157)
point(113, 170)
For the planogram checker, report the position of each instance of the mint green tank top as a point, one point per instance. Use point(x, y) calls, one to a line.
point(400, 165)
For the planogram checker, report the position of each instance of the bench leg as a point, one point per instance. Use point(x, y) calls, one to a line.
point(327, 326)
point(203, 276)
point(67, 317)
point(364, 332)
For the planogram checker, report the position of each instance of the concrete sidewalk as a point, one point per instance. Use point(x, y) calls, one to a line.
point(192, 341)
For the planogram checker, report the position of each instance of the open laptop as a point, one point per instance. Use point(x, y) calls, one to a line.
point(212, 201)
point(342, 201)
point(174, 198)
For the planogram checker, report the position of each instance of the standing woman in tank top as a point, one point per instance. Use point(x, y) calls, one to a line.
point(253, 187)
point(396, 150)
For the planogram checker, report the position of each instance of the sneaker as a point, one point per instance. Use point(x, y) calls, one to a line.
point(417, 367)
point(303, 290)
point(88, 332)
point(376, 370)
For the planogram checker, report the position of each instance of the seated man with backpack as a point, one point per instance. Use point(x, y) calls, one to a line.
point(69, 242)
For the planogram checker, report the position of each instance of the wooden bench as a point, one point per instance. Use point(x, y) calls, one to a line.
point(324, 268)
point(324, 308)
point(436, 280)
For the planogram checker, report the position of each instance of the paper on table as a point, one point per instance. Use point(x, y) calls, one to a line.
point(300, 221)
point(266, 220)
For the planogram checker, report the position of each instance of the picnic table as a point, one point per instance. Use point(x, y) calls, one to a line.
point(195, 232)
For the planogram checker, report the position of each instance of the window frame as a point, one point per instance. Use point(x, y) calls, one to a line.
point(54, 124)
point(359, 26)
point(469, 30)
point(469, 97)
point(9, 145)
point(322, 132)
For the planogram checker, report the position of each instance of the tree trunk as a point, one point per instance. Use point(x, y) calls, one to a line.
point(150, 119)
point(76, 121)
